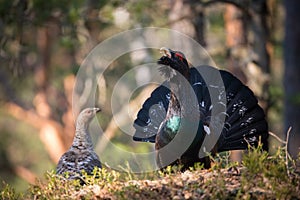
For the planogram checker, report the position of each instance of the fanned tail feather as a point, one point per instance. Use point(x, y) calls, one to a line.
point(245, 122)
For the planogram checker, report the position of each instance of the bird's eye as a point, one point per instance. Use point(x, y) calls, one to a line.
point(179, 55)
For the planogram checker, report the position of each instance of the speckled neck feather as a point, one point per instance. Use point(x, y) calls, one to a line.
point(82, 139)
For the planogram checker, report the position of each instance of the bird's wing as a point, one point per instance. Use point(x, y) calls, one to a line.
point(74, 162)
point(152, 114)
point(88, 160)
point(67, 163)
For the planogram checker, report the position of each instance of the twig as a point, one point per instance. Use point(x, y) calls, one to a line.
point(275, 136)
point(287, 156)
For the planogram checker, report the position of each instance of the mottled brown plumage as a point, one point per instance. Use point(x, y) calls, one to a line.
point(81, 155)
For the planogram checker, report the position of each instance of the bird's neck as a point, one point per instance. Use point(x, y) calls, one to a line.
point(82, 139)
point(174, 106)
point(183, 100)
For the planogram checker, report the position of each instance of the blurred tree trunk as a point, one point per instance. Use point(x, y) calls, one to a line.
point(236, 43)
point(236, 40)
point(199, 22)
point(51, 131)
point(248, 45)
point(180, 17)
point(247, 54)
point(258, 67)
point(41, 116)
point(187, 16)
point(292, 75)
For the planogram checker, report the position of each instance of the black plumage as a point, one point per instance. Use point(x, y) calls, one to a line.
point(80, 155)
point(244, 120)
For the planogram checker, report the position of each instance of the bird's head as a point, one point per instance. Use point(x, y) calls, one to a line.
point(87, 115)
point(176, 60)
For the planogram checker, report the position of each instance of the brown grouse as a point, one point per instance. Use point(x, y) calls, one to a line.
point(81, 155)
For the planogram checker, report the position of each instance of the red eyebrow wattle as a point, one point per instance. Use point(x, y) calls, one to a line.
point(179, 55)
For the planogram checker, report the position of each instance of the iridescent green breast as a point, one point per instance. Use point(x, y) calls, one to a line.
point(173, 124)
point(176, 124)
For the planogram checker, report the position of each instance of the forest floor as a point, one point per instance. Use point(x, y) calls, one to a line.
point(259, 176)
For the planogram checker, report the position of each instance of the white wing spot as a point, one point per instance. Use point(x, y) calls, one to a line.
point(206, 129)
point(198, 83)
point(168, 96)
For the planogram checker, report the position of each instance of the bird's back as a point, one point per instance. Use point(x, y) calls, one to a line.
point(74, 162)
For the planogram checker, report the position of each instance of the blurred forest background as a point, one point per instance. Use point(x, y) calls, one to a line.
point(43, 44)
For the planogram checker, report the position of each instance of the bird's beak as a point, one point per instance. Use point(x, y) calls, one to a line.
point(97, 110)
point(165, 51)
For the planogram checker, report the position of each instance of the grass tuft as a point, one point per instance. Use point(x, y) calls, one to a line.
point(9, 193)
